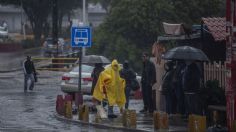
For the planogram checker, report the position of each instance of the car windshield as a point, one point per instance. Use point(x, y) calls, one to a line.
point(85, 68)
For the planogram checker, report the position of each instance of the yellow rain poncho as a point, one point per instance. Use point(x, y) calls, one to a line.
point(111, 86)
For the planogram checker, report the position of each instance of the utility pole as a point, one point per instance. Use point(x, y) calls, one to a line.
point(55, 23)
point(230, 90)
point(81, 53)
point(84, 23)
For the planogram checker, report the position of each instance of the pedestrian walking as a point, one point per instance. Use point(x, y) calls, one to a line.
point(128, 74)
point(95, 74)
point(168, 87)
point(147, 81)
point(111, 86)
point(191, 86)
point(29, 74)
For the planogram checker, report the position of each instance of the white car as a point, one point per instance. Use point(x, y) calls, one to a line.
point(69, 83)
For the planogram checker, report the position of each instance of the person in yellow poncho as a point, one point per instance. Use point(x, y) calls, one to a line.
point(111, 86)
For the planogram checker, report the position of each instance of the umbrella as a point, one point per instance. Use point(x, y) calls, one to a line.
point(185, 53)
point(92, 59)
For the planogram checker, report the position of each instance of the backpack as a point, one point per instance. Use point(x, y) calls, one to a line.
point(134, 84)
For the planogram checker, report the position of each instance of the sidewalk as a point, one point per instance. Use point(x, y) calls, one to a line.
point(144, 121)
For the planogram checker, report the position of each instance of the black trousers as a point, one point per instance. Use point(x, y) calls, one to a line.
point(192, 105)
point(147, 97)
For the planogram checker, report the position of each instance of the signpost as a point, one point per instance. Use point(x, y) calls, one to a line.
point(80, 37)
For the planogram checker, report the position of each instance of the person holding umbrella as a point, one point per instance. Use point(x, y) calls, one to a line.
point(95, 74)
point(111, 86)
point(191, 76)
point(191, 86)
point(168, 87)
point(178, 90)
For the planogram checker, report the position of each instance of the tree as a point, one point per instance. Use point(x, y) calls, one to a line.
point(191, 11)
point(65, 8)
point(139, 20)
point(38, 11)
point(135, 24)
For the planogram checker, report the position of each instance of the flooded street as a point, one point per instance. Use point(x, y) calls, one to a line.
point(33, 111)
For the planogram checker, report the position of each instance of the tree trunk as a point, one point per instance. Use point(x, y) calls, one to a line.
point(60, 22)
point(37, 29)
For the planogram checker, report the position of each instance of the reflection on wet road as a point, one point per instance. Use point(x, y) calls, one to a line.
point(33, 111)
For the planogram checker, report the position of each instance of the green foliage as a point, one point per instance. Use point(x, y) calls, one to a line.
point(215, 95)
point(191, 11)
point(132, 26)
point(114, 46)
point(138, 20)
point(38, 11)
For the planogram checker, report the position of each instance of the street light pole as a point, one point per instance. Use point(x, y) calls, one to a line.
point(84, 22)
point(55, 23)
point(81, 54)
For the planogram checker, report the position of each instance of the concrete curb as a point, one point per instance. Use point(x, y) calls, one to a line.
point(98, 125)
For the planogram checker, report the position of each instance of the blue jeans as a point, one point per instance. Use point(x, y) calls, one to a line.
point(127, 94)
point(31, 78)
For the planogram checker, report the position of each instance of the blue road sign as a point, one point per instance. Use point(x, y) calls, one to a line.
point(81, 37)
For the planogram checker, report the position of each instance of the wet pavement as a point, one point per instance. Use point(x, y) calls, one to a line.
point(33, 111)
point(144, 121)
point(12, 61)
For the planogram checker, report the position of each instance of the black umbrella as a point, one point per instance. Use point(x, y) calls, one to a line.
point(185, 53)
point(92, 59)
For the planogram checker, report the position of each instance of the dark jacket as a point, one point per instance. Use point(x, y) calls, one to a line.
point(191, 79)
point(148, 73)
point(29, 67)
point(167, 81)
point(178, 75)
point(127, 74)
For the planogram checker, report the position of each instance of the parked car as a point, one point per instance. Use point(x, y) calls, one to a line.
point(69, 83)
point(49, 48)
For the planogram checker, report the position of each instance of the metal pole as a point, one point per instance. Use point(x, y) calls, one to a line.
point(55, 23)
point(84, 8)
point(80, 68)
point(81, 51)
point(84, 22)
